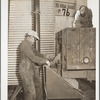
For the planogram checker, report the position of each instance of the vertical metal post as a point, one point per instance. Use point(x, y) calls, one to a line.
point(37, 21)
point(44, 82)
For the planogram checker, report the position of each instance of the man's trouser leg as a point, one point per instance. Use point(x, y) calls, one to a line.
point(28, 85)
point(38, 83)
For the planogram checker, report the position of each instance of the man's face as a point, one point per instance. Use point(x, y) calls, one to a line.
point(83, 11)
point(33, 39)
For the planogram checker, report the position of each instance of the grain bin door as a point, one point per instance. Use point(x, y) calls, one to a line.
point(20, 22)
point(80, 49)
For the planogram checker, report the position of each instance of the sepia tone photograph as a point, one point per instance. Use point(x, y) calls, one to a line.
point(52, 50)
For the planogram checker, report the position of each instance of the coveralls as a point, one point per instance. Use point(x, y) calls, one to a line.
point(29, 59)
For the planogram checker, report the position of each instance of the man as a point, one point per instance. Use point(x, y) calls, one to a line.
point(30, 58)
point(83, 18)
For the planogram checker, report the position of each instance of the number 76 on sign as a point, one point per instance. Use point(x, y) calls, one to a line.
point(65, 12)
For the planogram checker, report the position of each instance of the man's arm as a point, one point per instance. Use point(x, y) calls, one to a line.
point(37, 53)
point(34, 58)
point(76, 22)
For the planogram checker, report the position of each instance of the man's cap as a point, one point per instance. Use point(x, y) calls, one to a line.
point(34, 34)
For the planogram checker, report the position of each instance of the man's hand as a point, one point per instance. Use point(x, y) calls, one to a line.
point(48, 63)
point(49, 57)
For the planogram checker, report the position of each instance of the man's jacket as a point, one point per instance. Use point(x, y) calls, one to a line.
point(85, 21)
point(29, 58)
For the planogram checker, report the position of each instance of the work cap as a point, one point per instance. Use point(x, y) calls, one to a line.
point(34, 34)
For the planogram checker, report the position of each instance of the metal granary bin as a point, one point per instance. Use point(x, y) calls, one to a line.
point(78, 52)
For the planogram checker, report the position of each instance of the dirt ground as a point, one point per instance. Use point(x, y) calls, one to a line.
point(88, 89)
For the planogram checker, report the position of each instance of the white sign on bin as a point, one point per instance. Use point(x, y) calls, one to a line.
point(65, 9)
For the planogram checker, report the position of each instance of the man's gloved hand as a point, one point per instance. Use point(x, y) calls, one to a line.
point(48, 63)
point(49, 57)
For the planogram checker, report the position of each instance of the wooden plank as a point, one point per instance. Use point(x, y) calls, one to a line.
point(87, 46)
point(69, 47)
point(84, 44)
point(76, 42)
point(73, 46)
point(56, 44)
point(93, 45)
point(80, 66)
point(64, 34)
point(89, 75)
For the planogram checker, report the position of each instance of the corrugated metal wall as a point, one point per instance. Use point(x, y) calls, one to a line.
point(80, 2)
point(20, 22)
point(47, 27)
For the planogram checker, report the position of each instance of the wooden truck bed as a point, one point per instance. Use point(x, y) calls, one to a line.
point(78, 51)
